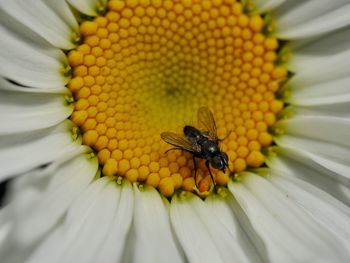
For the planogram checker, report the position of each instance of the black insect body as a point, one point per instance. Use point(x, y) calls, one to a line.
point(202, 144)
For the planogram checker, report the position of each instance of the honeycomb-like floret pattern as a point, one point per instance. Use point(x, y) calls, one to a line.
point(146, 67)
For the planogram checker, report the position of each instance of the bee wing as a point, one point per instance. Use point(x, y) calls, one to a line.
point(207, 123)
point(179, 141)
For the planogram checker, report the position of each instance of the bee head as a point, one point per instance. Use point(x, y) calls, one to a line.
point(220, 161)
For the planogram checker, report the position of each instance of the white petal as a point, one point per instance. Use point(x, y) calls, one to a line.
point(318, 48)
point(22, 112)
point(23, 195)
point(114, 246)
point(236, 243)
point(88, 7)
point(6, 85)
point(5, 229)
point(335, 158)
point(332, 214)
point(29, 65)
point(64, 186)
point(23, 32)
point(23, 152)
point(325, 93)
point(257, 253)
point(191, 231)
point(53, 24)
point(84, 228)
point(267, 5)
point(64, 12)
point(289, 233)
point(285, 162)
point(29, 187)
point(311, 18)
point(337, 110)
point(321, 69)
point(92, 234)
point(40, 177)
point(27, 190)
point(93, 195)
point(318, 127)
point(321, 75)
point(152, 229)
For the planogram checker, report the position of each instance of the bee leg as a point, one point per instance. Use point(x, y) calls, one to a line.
point(195, 169)
point(226, 136)
point(211, 175)
point(171, 149)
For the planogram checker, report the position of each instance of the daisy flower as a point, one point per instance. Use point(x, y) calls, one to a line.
point(88, 86)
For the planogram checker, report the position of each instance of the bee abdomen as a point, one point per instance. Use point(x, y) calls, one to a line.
point(192, 134)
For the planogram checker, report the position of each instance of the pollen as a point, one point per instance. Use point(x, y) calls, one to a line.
point(145, 67)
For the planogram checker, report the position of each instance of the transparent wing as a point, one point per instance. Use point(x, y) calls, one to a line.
point(207, 123)
point(179, 141)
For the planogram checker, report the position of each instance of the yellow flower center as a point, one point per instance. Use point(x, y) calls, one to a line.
point(145, 67)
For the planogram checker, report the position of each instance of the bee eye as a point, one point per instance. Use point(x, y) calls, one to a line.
point(217, 162)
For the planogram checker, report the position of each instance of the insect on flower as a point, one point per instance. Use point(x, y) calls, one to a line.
point(202, 143)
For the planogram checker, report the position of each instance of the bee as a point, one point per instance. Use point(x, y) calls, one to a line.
point(201, 143)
